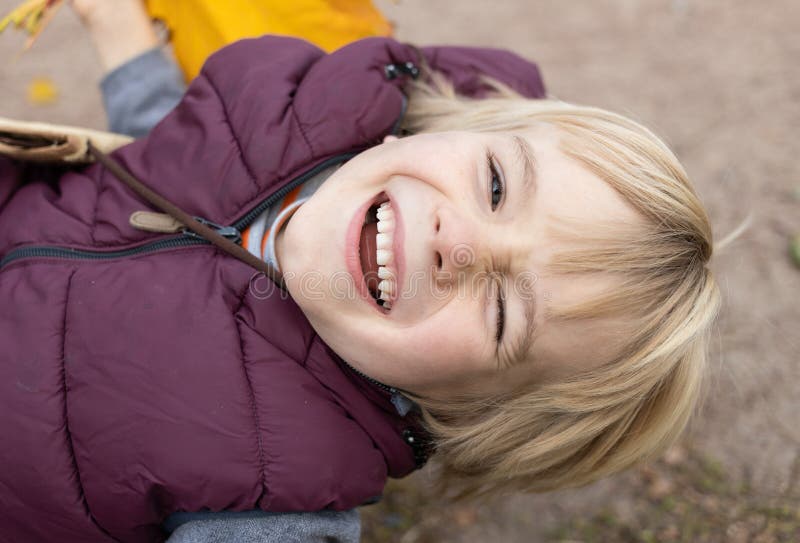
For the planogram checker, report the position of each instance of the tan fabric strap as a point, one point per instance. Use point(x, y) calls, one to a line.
point(45, 142)
point(151, 221)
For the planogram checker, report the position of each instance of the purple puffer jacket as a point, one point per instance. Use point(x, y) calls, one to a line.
point(139, 375)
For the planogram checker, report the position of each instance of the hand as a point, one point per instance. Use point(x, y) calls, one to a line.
point(120, 29)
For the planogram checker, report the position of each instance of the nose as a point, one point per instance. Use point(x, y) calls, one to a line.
point(457, 245)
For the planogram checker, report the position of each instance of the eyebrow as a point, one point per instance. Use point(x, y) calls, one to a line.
point(527, 157)
point(525, 342)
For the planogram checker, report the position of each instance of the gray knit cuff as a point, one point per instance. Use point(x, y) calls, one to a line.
point(139, 93)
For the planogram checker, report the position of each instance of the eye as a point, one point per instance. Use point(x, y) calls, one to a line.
point(501, 320)
point(497, 187)
point(501, 314)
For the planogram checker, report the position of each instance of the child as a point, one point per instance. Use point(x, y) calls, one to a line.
point(543, 299)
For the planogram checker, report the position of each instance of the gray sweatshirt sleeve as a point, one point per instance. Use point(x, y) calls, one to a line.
point(138, 94)
point(262, 527)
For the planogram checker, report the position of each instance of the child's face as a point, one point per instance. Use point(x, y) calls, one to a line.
point(463, 236)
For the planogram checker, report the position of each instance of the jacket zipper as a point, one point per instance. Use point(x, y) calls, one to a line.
point(186, 239)
point(253, 214)
point(375, 382)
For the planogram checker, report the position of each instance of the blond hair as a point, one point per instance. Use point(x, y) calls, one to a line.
point(569, 433)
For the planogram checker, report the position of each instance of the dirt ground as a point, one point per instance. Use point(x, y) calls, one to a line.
point(719, 80)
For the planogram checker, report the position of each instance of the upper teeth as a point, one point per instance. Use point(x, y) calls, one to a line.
point(385, 254)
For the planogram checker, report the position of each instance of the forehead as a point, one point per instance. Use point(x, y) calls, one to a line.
point(566, 193)
point(546, 190)
point(565, 187)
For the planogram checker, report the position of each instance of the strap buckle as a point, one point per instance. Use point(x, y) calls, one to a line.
point(228, 232)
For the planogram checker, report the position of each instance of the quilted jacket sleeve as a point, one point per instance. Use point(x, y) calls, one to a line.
point(10, 180)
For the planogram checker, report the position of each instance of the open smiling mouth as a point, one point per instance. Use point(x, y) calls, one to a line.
point(376, 252)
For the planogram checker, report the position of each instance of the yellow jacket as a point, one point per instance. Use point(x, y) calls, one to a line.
point(200, 27)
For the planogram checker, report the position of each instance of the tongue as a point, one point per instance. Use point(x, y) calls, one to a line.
point(369, 262)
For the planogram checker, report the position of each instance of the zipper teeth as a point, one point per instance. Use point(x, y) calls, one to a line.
point(399, 121)
point(64, 252)
point(286, 189)
point(387, 388)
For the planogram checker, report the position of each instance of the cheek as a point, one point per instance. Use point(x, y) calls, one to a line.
point(450, 343)
point(564, 348)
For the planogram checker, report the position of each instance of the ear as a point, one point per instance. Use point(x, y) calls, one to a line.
point(389, 138)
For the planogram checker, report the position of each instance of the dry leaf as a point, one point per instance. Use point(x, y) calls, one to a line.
point(42, 91)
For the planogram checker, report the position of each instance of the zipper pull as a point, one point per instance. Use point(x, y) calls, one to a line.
point(225, 231)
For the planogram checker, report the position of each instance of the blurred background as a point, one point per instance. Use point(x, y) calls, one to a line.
point(719, 80)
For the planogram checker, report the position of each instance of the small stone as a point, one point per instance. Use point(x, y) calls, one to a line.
point(675, 455)
point(647, 472)
point(659, 487)
point(710, 504)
